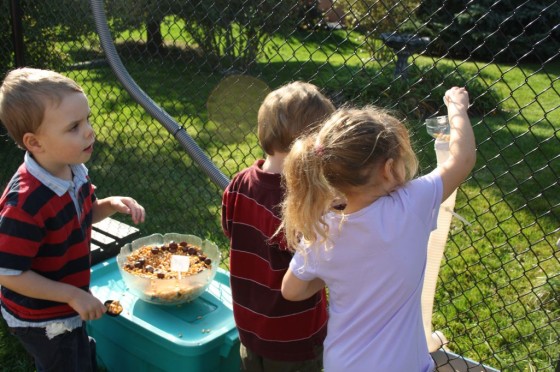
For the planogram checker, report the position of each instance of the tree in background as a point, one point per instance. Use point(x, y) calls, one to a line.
point(142, 14)
point(44, 24)
point(6, 45)
point(230, 33)
point(234, 32)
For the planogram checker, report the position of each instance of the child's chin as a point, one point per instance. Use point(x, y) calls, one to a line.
point(85, 158)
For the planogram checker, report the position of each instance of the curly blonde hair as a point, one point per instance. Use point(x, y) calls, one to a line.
point(340, 155)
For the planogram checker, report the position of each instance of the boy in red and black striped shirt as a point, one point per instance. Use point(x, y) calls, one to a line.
point(46, 215)
point(275, 334)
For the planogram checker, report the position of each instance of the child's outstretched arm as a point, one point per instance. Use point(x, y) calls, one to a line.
point(462, 146)
point(295, 289)
point(103, 208)
point(31, 284)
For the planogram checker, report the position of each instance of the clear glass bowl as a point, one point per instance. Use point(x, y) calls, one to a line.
point(169, 291)
point(438, 127)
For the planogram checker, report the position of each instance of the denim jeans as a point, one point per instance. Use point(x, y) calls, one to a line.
point(68, 352)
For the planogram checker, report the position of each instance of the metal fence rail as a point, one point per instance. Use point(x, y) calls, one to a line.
point(208, 64)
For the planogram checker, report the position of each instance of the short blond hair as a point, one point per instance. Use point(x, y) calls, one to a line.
point(24, 95)
point(289, 111)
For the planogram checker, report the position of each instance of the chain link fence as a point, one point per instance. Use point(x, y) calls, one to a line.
point(209, 64)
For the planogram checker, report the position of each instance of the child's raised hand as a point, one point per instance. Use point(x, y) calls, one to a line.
point(126, 205)
point(458, 97)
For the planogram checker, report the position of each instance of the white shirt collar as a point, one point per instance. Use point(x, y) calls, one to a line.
point(57, 185)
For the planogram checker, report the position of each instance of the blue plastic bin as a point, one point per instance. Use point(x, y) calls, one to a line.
point(198, 336)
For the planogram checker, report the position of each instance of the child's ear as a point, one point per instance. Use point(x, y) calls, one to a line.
point(388, 168)
point(32, 143)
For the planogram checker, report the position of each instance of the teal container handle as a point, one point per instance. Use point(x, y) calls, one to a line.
point(230, 340)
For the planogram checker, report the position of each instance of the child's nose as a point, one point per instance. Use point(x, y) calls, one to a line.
point(89, 130)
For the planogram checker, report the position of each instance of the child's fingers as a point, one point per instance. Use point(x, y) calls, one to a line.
point(455, 95)
point(131, 207)
point(138, 214)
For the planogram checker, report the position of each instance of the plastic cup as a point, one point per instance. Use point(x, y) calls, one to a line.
point(438, 127)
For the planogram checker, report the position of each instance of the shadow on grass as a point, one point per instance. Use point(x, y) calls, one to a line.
point(13, 357)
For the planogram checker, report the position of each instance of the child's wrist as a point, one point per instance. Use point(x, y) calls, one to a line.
point(456, 109)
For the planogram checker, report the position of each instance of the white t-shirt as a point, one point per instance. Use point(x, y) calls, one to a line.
point(375, 272)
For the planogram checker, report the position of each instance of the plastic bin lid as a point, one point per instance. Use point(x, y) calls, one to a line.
point(208, 317)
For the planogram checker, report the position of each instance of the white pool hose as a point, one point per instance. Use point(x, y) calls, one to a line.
point(436, 245)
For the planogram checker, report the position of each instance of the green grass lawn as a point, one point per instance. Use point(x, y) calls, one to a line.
point(496, 299)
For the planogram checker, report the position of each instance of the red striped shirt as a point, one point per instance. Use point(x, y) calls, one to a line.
point(268, 324)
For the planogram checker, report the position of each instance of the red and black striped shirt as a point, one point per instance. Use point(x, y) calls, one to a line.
point(41, 231)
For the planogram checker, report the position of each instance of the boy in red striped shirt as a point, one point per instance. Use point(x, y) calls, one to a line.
point(275, 334)
point(46, 215)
